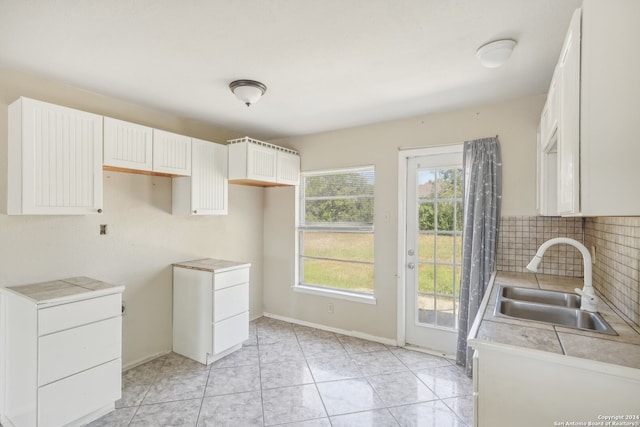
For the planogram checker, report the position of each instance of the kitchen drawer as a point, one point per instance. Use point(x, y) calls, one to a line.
point(230, 332)
point(68, 352)
point(230, 301)
point(230, 278)
point(67, 400)
point(77, 313)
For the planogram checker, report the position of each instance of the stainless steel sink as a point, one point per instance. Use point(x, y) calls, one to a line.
point(541, 296)
point(519, 303)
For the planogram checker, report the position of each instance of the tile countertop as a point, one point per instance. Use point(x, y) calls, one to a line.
point(620, 350)
point(64, 290)
point(213, 265)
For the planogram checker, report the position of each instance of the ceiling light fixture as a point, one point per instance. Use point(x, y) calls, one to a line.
point(495, 53)
point(247, 91)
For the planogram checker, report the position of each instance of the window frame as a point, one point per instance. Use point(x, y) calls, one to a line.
point(359, 228)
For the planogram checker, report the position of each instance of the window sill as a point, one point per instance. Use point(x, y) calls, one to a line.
point(334, 293)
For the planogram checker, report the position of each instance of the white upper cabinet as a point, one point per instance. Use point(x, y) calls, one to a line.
point(171, 153)
point(596, 147)
point(205, 192)
point(54, 160)
point(253, 162)
point(127, 145)
point(568, 148)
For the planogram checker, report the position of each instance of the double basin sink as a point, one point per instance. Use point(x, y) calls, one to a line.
point(557, 308)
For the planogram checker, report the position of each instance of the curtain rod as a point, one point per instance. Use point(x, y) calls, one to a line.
point(431, 146)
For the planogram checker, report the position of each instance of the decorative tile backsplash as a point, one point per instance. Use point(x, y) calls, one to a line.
point(616, 271)
point(520, 237)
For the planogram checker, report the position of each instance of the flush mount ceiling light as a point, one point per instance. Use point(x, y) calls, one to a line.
point(495, 53)
point(247, 91)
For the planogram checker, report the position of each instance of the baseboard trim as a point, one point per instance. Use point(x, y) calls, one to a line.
point(144, 360)
point(355, 334)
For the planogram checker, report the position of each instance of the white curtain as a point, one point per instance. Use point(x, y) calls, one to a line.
point(482, 198)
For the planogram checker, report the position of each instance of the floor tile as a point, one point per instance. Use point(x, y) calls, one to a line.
point(118, 418)
point(378, 362)
point(346, 396)
point(280, 352)
point(305, 333)
point(177, 386)
point(401, 388)
point(320, 422)
point(334, 368)
point(282, 374)
point(296, 376)
point(244, 356)
point(433, 413)
point(323, 347)
point(132, 395)
point(241, 409)
point(417, 360)
point(462, 406)
point(446, 381)
point(233, 380)
point(376, 418)
point(292, 404)
point(357, 345)
point(176, 414)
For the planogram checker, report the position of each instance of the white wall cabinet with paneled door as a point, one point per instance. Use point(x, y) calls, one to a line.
point(62, 354)
point(205, 192)
point(54, 160)
point(595, 146)
point(210, 308)
point(253, 162)
point(127, 145)
point(171, 153)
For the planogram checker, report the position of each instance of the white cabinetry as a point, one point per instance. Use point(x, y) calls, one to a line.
point(205, 192)
point(62, 352)
point(130, 147)
point(127, 145)
point(54, 159)
point(597, 107)
point(253, 162)
point(210, 308)
point(171, 153)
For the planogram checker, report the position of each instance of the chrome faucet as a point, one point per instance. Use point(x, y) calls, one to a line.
point(587, 293)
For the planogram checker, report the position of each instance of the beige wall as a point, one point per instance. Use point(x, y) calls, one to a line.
point(515, 122)
point(143, 237)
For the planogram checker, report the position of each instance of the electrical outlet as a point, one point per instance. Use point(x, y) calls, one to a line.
point(330, 308)
point(103, 229)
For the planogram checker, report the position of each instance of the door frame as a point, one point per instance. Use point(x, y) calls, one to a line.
point(403, 158)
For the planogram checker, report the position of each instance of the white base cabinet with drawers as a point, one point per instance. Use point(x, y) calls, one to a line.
point(210, 308)
point(62, 347)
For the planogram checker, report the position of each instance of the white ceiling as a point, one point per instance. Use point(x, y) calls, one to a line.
point(328, 64)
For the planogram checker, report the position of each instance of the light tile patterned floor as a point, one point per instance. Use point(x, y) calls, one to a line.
point(291, 375)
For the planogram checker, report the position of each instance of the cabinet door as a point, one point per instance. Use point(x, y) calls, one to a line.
point(171, 153)
point(261, 163)
point(55, 159)
point(288, 171)
point(209, 185)
point(127, 145)
point(569, 124)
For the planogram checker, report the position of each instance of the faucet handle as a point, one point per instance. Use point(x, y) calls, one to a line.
point(588, 300)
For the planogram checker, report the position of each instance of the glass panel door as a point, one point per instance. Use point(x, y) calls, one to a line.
point(434, 249)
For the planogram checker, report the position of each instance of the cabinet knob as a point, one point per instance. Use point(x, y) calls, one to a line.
point(195, 212)
point(99, 210)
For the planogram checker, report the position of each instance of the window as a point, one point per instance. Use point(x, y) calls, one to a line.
point(336, 230)
point(439, 201)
